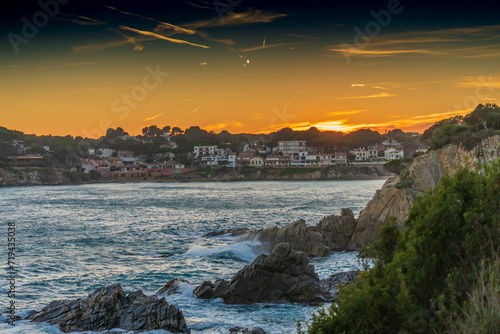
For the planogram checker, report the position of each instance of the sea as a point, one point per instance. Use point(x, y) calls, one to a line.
point(71, 240)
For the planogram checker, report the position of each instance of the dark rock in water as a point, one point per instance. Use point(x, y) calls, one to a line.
point(337, 230)
point(297, 234)
point(332, 283)
point(244, 330)
point(331, 233)
point(209, 290)
point(284, 275)
point(108, 307)
point(234, 232)
point(171, 287)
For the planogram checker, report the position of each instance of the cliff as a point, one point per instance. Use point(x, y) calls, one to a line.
point(354, 172)
point(38, 176)
point(399, 192)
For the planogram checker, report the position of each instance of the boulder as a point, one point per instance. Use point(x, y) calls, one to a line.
point(337, 230)
point(297, 234)
point(284, 275)
point(171, 287)
point(108, 307)
point(333, 283)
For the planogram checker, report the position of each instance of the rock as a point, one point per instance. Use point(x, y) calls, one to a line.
point(108, 307)
point(209, 290)
point(297, 234)
point(332, 283)
point(244, 330)
point(337, 230)
point(331, 233)
point(284, 275)
point(234, 232)
point(171, 287)
point(425, 173)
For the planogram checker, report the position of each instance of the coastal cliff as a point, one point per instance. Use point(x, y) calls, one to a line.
point(33, 176)
point(39, 176)
point(399, 192)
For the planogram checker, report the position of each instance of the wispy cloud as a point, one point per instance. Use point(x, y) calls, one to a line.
point(10, 66)
point(197, 5)
point(153, 117)
point(489, 81)
point(223, 125)
point(126, 40)
point(82, 20)
point(383, 94)
point(302, 36)
point(346, 112)
point(454, 42)
point(261, 47)
point(158, 36)
point(236, 19)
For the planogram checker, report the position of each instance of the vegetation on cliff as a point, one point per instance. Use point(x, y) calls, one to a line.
point(435, 275)
point(467, 130)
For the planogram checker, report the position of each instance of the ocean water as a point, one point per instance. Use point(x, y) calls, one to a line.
point(73, 239)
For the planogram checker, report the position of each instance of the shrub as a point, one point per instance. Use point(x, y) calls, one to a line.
point(423, 275)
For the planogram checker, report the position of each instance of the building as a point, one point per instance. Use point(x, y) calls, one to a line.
point(257, 161)
point(373, 152)
point(26, 159)
point(299, 159)
point(278, 161)
point(293, 146)
point(244, 158)
point(339, 158)
point(231, 159)
point(200, 151)
point(361, 154)
point(99, 166)
point(393, 154)
point(173, 164)
point(105, 152)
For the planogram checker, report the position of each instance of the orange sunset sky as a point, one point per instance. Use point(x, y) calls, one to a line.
point(257, 67)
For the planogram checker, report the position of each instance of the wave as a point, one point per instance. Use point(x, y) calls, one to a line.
point(244, 251)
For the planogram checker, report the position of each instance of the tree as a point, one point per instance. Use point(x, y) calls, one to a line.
point(166, 129)
point(424, 274)
point(176, 130)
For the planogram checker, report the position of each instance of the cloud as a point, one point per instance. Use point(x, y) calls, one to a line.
point(167, 29)
point(346, 112)
point(302, 36)
point(489, 82)
point(158, 36)
point(10, 66)
point(223, 125)
point(383, 94)
point(357, 85)
point(153, 117)
point(192, 112)
point(82, 20)
point(267, 47)
point(443, 42)
point(195, 5)
point(127, 40)
point(236, 19)
point(203, 64)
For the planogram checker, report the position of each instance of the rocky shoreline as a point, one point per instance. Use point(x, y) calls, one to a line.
point(35, 176)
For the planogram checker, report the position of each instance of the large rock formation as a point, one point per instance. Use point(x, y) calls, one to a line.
point(399, 192)
point(331, 233)
point(333, 283)
point(108, 308)
point(284, 275)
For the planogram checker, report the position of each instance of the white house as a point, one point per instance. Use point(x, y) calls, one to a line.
point(200, 151)
point(292, 146)
point(361, 154)
point(278, 161)
point(393, 154)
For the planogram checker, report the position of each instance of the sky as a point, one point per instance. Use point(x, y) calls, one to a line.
point(80, 67)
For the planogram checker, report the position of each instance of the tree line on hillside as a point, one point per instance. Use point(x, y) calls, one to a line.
point(484, 121)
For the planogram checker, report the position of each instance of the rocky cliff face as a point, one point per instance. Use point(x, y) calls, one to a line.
point(33, 177)
point(399, 192)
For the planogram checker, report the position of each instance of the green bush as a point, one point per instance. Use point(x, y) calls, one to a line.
point(423, 275)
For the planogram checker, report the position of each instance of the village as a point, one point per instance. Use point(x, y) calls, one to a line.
point(123, 164)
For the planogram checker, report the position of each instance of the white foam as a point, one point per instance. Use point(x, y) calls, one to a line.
point(246, 251)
